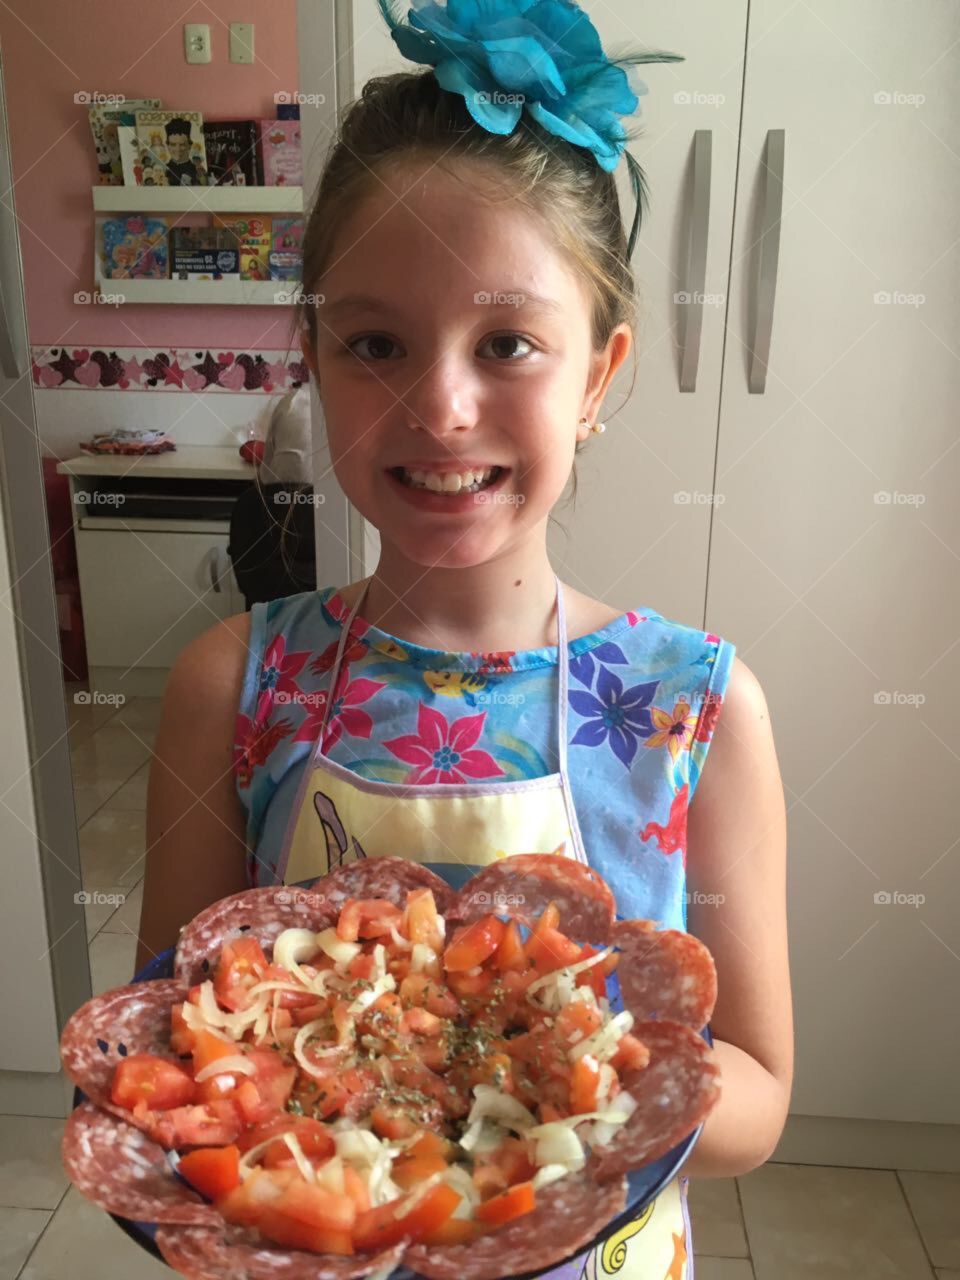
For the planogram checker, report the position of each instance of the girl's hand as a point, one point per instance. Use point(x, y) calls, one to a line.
point(736, 850)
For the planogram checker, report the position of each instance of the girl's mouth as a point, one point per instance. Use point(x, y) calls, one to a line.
point(430, 491)
point(449, 483)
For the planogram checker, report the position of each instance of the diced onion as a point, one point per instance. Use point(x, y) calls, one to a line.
point(303, 1164)
point(411, 1201)
point(292, 946)
point(548, 1173)
point(501, 1107)
point(208, 1015)
point(602, 1045)
point(601, 1131)
point(310, 1029)
point(231, 1063)
point(461, 1182)
point(330, 1175)
point(561, 980)
point(387, 982)
point(399, 941)
point(481, 1136)
point(358, 1145)
point(556, 1143)
point(421, 957)
point(332, 945)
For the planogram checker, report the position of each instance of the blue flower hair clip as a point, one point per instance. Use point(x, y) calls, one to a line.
point(542, 56)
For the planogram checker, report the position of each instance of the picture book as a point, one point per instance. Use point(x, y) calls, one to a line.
point(174, 149)
point(204, 253)
point(286, 249)
point(281, 158)
point(253, 237)
point(231, 147)
point(132, 247)
point(105, 118)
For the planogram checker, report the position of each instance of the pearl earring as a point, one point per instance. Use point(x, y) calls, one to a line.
point(595, 428)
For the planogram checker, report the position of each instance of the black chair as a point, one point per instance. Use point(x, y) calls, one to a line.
point(272, 542)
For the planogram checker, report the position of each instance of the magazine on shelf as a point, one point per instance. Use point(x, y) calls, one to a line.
point(105, 120)
point(231, 147)
point(132, 246)
point(281, 156)
point(173, 147)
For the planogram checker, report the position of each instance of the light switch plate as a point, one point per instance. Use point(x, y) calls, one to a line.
point(196, 41)
point(241, 41)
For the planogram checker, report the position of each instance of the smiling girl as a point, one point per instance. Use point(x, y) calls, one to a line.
point(468, 299)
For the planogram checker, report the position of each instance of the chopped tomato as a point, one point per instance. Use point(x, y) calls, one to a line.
point(181, 1037)
point(292, 1212)
point(576, 1021)
point(510, 1204)
point(420, 921)
point(510, 954)
point(595, 977)
point(241, 966)
point(310, 1012)
point(550, 949)
point(155, 1082)
point(584, 1081)
point(473, 943)
point(367, 918)
point(277, 1224)
point(433, 1144)
point(273, 1078)
point(207, 1048)
point(210, 1124)
point(454, 1231)
point(363, 966)
point(392, 1121)
point(316, 1142)
point(419, 991)
point(287, 999)
point(511, 1156)
point(419, 1022)
point(353, 1186)
point(631, 1054)
point(251, 1105)
point(222, 1085)
point(470, 986)
point(213, 1171)
point(407, 1171)
point(489, 1180)
point(380, 1228)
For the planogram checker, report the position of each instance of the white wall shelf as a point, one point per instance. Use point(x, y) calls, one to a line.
point(266, 293)
point(198, 199)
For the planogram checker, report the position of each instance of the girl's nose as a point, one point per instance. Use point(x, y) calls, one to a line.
point(441, 400)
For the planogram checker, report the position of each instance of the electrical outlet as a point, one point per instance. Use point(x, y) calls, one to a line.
point(196, 41)
point(241, 41)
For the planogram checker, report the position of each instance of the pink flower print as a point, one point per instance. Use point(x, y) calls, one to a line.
point(345, 716)
point(254, 740)
point(443, 752)
point(279, 668)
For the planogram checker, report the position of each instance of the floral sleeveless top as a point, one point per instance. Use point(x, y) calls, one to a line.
point(644, 696)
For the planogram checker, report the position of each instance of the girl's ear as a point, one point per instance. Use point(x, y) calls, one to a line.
point(309, 353)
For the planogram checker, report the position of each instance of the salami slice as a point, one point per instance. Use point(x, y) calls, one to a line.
point(125, 1172)
point(675, 1092)
point(664, 973)
point(523, 884)
point(568, 1215)
point(108, 1028)
point(261, 913)
point(231, 1253)
point(390, 878)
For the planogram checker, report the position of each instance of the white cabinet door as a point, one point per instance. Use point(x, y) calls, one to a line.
point(639, 532)
point(834, 554)
point(147, 594)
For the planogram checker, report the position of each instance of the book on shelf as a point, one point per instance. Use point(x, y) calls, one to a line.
point(132, 247)
point(105, 120)
point(172, 146)
point(232, 153)
point(204, 253)
point(285, 260)
point(280, 153)
point(253, 237)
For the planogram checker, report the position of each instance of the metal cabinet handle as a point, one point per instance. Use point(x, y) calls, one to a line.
point(769, 250)
point(695, 273)
point(215, 569)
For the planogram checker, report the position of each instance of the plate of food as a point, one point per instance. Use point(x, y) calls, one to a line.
point(376, 1074)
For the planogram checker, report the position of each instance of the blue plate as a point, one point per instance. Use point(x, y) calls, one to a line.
point(643, 1185)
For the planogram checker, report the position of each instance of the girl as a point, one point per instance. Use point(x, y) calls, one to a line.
point(468, 300)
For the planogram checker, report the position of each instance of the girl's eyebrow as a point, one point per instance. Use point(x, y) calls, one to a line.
point(499, 299)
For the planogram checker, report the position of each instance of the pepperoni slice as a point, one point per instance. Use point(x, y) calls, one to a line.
point(229, 1253)
point(108, 1028)
point(568, 1215)
point(523, 884)
point(664, 973)
point(675, 1092)
point(389, 878)
point(125, 1172)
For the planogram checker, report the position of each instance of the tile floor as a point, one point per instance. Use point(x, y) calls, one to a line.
point(780, 1222)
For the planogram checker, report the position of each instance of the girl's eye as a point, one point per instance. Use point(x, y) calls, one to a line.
point(377, 339)
point(503, 344)
point(507, 341)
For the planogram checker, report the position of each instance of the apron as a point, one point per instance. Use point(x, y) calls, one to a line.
point(455, 830)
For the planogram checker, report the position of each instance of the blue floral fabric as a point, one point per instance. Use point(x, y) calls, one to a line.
point(643, 700)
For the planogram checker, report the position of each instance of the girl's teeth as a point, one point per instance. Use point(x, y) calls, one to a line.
point(471, 481)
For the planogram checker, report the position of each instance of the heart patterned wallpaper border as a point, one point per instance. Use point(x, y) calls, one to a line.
point(180, 369)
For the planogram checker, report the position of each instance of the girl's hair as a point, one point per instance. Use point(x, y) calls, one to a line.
point(408, 116)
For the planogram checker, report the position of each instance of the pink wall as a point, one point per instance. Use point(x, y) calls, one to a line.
point(114, 46)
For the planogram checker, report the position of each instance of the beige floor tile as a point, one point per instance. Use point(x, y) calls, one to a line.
point(126, 918)
point(112, 848)
point(112, 960)
point(133, 794)
point(84, 1243)
point(806, 1221)
point(112, 754)
point(88, 799)
point(935, 1201)
point(31, 1171)
point(84, 715)
point(100, 905)
point(141, 713)
point(19, 1229)
point(707, 1268)
point(715, 1218)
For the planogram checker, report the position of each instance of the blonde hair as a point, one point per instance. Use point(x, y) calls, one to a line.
point(408, 116)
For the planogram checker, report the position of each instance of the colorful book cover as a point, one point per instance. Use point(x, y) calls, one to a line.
point(132, 247)
point(231, 147)
point(173, 142)
point(281, 157)
point(204, 253)
point(253, 236)
point(105, 117)
point(286, 249)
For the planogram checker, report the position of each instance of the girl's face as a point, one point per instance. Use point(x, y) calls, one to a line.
point(452, 338)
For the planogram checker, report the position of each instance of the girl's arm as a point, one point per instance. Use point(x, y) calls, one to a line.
point(196, 847)
point(736, 878)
